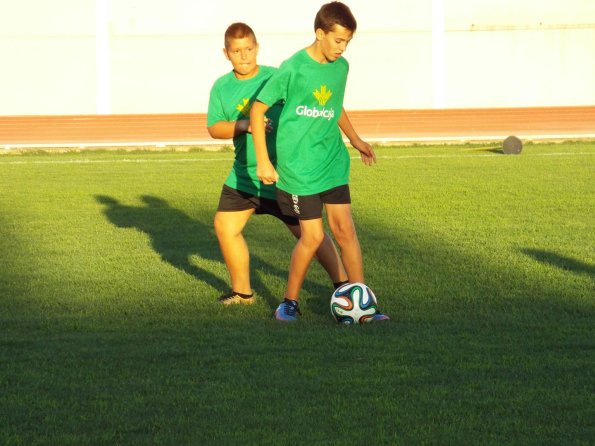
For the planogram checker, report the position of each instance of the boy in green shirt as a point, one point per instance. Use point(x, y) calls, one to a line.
point(243, 194)
point(312, 161)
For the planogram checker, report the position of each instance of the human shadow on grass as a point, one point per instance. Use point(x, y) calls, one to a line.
point(560, 261)
point(415, 272)
point(176, 237)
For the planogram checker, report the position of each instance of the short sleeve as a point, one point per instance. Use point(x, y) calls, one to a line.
point(215, 111)
point(276, 88)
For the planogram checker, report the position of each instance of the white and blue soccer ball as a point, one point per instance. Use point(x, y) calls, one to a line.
point(353, 303)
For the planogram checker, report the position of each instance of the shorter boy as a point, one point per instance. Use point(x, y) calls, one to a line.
point(243, 195)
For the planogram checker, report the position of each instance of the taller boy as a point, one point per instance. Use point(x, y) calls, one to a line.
point(312, 160)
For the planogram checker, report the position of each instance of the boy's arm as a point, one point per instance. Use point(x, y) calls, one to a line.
point(222, 127)
point(265, 171)
point(366, 152)
point(229, 129)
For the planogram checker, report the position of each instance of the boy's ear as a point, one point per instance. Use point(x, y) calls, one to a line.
point(225, 54)
point(320, 34)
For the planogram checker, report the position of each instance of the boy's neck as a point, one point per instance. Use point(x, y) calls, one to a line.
point(315, 52)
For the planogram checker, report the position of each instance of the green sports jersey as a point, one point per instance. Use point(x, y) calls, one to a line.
point(311, 154)
point(230, 100)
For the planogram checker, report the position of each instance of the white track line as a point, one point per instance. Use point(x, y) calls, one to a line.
point(116, 161)
point(483, 155)
point(230, 158)
point(212, 144)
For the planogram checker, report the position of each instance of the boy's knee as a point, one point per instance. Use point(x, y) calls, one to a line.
point(222, 228)
point(343, 232)
point(312, 239)
point(218, 227)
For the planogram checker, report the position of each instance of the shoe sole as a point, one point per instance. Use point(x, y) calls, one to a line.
point(237, 300)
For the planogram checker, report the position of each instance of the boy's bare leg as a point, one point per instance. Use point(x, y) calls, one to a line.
point(312, 235)
point(343, 228)
point(327, 255)
point(228, 227)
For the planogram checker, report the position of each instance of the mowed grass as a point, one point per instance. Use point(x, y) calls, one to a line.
point(110, 332)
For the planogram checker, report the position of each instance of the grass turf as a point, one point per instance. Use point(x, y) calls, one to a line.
point(111, 333)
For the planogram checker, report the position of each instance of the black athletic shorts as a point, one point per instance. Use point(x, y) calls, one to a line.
point(232, 200)
point(309, 207)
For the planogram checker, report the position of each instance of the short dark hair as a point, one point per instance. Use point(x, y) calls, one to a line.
point(334, 13)
point(238, 30)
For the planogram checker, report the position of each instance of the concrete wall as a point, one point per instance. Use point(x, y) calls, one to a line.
point(161, 56)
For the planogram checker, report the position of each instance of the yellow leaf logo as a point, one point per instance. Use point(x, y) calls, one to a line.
point(244, 107)
point(323, 95)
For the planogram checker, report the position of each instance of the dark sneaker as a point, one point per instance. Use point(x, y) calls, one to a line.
point(237, 298)
point(379, 317)
point(288, 311)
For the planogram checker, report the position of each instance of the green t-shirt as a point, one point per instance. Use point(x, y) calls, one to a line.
point(311, 155)
point(231, 100)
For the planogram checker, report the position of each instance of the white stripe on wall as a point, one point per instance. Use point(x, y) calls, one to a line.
point(102, 57)
point(438, 99)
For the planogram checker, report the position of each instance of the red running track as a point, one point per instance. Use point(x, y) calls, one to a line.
point(382, 126)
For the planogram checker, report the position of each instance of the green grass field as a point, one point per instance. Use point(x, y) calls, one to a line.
point(110, 332)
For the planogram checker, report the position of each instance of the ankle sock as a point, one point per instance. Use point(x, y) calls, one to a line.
point(338, 284)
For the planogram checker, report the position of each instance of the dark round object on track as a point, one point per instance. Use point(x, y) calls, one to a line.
point(512, 145)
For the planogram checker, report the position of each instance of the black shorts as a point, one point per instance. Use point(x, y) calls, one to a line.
point(309, 207)
point(233, 200)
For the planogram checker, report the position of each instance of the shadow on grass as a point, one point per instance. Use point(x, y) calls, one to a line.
point(14, 281)
point(497, 150)
point(176, 237)
point(560, 261)
point(470, 347)
point(420, 277)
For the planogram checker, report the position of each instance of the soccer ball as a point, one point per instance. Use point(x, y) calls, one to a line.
point(353, 303)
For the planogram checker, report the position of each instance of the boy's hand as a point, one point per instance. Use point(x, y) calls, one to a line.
point(267, 173)
point(268, 125)
point(366, 152)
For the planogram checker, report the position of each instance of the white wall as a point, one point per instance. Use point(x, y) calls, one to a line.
point(161, 56)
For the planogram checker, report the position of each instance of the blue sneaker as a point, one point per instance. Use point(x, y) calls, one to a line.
point(288, 310)
point(379, 317)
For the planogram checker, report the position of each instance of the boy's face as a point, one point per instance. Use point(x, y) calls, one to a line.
point(242, 55)
point(334, 43)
